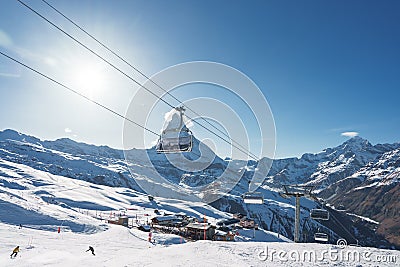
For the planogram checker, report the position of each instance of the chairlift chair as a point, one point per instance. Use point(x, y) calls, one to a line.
point(321, 237)
point(253, 198)
point(176, 140)
point(319, 214)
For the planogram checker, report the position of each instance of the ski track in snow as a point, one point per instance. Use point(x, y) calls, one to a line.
point(117, 247)
point(44, 202)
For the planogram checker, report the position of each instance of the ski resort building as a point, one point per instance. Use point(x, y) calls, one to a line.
point(223, 236)
point(248, 223)
point(171, 221)
point(122, 220)
point(196, 231)
point(228, 222)
point(239, 216)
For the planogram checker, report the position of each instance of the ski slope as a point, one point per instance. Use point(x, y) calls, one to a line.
point(42, 203)
point(120, 246)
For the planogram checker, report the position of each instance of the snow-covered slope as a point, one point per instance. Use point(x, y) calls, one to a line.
point(43, 202)
point(107, 166)
point(355, 176)
point(119, 246)
point(374, 192)
point(38, 199)
point(329, 166)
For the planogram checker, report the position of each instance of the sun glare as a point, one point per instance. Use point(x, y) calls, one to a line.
point(89, 79)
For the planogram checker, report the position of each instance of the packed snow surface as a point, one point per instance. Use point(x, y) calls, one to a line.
point(120, 246)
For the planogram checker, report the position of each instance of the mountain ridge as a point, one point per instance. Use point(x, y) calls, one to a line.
point(330, 171)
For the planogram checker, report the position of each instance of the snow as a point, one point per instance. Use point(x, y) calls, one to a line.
point(363, 218)
point(43, 202)
point(106, 166)
point(119, 246)
point(366, 186)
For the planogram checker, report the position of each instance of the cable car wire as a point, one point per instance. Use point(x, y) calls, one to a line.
point(145, 76)
point(82, 95)
point(129, 77)
point(338, 221)
point(77, 93)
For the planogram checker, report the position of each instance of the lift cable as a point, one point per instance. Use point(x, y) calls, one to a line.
point(126, 75)
point(143, 74)
point(83, 96)
point(338, 221)
point(77, 93)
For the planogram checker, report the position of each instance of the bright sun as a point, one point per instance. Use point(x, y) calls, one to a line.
point(89, 79)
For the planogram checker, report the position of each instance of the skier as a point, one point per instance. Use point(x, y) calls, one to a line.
point(150, 235)
point(92, 250)
point(15, 252)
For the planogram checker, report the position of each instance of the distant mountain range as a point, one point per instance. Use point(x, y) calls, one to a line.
point(359, 182)
point(356, 176)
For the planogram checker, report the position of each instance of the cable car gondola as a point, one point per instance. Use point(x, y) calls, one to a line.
point(253, 198)
point(319, 214)
point(322, 237)
point(176, 139)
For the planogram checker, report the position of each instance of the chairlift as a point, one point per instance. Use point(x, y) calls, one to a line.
point(176, 140)
point(253, 198)
point(321, 237)
point(176, 143)
point(284, 195)
point(319, 214)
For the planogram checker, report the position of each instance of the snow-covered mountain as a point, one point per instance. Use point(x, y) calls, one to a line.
point(374, 192)
point(326, 170)
point(355, 176)
point(61, 217)
point(329, 166)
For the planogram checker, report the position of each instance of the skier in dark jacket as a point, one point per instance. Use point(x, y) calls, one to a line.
point(15, 252)
point(91, 249)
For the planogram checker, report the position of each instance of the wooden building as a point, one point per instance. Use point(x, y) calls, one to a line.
point(122, 220)
point(247, 223)
point(196, 231)
point(223, 236)
point(239, 216)
point(171, 221)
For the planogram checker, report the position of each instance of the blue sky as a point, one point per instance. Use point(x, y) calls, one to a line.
point(325, 67)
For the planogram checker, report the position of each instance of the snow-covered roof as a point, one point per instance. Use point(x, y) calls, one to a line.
point(166, 218)
point(228, 221)
point(222, 233)
point(199, 226)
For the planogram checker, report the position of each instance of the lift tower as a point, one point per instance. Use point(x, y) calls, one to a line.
point(297, 191)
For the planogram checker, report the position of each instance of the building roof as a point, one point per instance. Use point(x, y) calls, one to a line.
point(222, 233)
point(166, 218)
point(228, 222)
point(199, 226)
